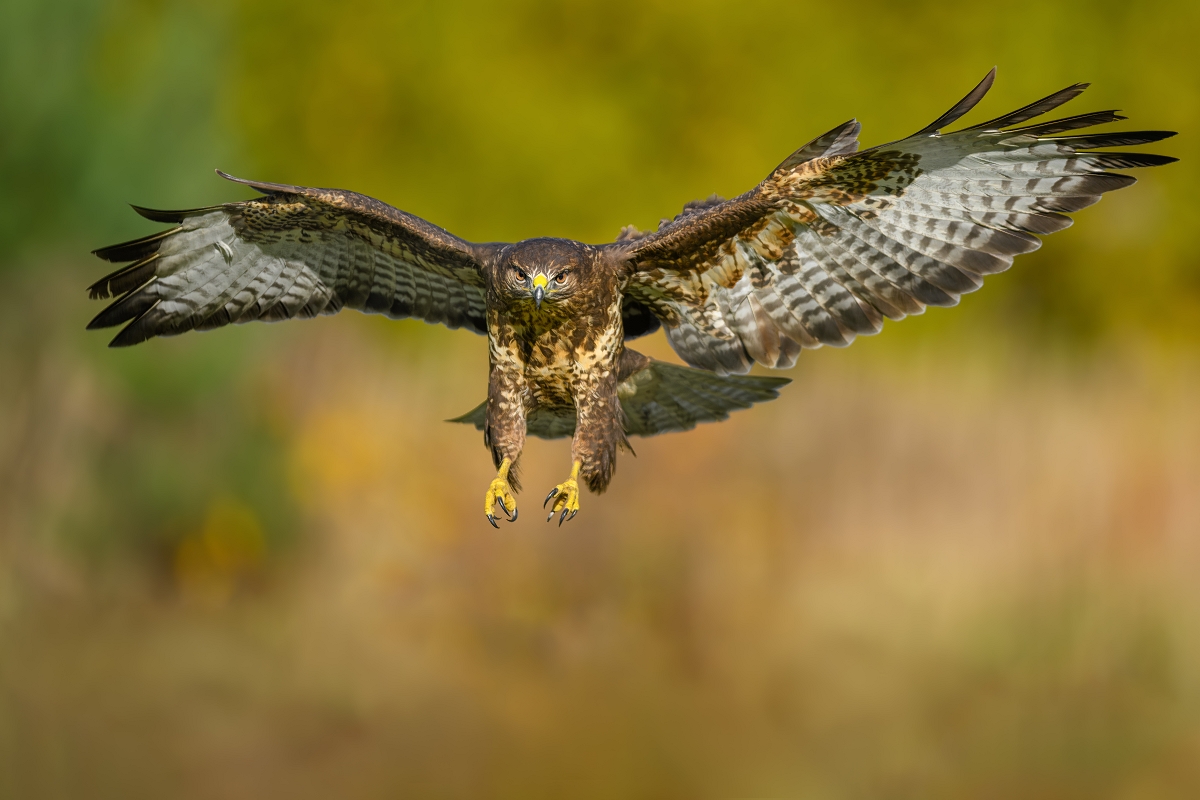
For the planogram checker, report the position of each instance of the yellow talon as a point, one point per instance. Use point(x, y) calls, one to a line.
point(565, 497)
point(500, 492)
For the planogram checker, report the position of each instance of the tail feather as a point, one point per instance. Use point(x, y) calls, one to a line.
point(659, 398)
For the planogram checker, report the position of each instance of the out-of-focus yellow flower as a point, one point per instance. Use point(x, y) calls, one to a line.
point(228, 549)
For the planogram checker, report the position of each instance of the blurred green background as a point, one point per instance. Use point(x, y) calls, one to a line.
point(956, 560)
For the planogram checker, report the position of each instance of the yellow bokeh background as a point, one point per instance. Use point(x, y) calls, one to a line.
point(956, 560)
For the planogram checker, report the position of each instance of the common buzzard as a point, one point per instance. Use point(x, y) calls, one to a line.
point(830, 244)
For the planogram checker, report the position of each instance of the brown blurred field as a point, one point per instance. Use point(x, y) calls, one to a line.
point(957, 560)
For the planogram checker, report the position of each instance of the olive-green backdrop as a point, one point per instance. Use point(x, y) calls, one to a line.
point(955, 560)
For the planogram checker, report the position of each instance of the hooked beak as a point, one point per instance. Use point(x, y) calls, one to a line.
point(539, 290)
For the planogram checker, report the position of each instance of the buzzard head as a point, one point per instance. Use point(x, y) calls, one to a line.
point(545, 273)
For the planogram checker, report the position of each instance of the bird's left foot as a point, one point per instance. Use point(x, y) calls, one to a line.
point(565, 497)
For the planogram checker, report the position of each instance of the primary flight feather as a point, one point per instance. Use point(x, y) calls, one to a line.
point(830, 244)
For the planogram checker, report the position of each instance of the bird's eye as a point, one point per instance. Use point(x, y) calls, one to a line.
point(520, 273)
point(560, 277)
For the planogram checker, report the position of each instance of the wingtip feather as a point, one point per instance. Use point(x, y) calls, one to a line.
point(136, 332)
point(960, 108)
point(1034, 109)
point(124, 280)
point(171, 216)
point(135, 249)
point(262, 186)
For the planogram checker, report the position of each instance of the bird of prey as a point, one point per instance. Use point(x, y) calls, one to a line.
point(831, 243)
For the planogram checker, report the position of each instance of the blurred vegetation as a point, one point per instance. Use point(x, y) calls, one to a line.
point(955, 560)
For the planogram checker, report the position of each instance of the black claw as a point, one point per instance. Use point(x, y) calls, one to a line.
point(503, 507)
point(549, 497)
point(563, 517)
point(573, 513)
point(492, 520)
point(513, 518)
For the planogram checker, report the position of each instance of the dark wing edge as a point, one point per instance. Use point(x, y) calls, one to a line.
point(296, 252)
point(834, 241)
point(656, 397)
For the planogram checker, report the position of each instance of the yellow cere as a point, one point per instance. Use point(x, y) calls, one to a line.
point(540, 281)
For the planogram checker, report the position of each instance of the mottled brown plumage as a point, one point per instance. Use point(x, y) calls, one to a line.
point(558, 355)
point(824, 249)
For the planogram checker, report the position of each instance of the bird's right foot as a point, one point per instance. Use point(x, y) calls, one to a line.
point(500, 492)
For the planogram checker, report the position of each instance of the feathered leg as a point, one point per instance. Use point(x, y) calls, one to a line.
point(504, 436)
point(599, 431)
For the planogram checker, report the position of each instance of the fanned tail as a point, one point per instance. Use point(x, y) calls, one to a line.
point(658, 398)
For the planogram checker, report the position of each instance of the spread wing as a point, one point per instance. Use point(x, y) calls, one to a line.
point(296, 252)
point(834, 241)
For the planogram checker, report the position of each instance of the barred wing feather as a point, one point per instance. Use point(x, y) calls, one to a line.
point(833, 242)
point(296, 252)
